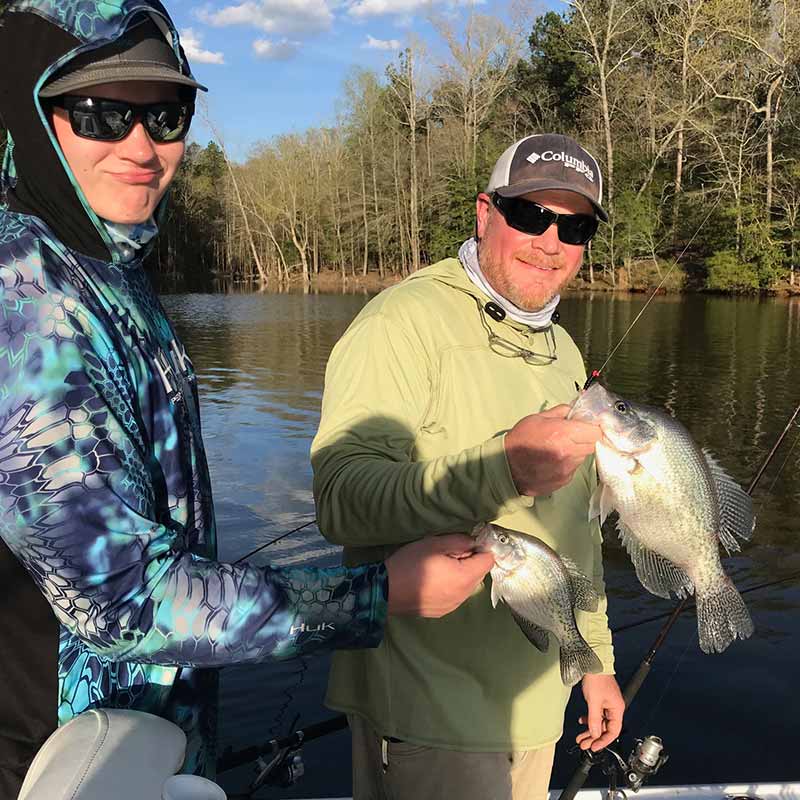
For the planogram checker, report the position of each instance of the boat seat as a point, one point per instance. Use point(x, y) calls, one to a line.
point(106, 753)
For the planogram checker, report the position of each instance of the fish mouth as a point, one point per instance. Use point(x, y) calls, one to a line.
point(482, 534)
point(591, 403)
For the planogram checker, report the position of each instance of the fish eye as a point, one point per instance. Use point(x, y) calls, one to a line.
point(502, 538)
point(621, 406)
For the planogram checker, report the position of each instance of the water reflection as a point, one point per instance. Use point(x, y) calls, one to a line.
point(725, 367)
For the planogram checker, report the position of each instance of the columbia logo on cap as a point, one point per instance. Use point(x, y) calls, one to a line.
point(579, 165)
point(548, 161)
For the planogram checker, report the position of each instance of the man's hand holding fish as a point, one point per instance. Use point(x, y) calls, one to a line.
point(544, 450)
point(423, 580)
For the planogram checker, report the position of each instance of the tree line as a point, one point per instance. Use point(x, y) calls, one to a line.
point(690, 106)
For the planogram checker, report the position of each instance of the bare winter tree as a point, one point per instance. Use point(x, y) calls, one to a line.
point(612, 37)
point(483, 56)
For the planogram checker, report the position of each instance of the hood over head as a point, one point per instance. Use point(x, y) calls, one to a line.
point(39, 38)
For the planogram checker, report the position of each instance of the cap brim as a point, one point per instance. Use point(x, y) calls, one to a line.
point(540, 185)
point(115, 74)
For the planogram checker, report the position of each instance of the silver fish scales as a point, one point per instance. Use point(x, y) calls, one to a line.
point(675, 505)
point(542, 591)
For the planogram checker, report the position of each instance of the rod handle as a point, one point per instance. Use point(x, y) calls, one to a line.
point(577, 780)
point(635, 683)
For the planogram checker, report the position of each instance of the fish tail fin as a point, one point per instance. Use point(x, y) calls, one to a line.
point(722, 617)
point(577, 661)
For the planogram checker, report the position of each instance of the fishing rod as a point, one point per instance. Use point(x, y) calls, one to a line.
point(792, 576)
point(635, 682)
point(278, 762)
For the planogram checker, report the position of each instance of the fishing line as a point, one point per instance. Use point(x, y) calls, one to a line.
point(646, 723)
point(282, 536)
point(766, 500)
point(298, 678)
point(596, 373)
point(288, 697)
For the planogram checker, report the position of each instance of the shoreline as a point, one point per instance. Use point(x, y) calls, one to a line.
point(332, 281)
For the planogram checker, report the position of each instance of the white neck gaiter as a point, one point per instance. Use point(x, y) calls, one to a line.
point(468, 256)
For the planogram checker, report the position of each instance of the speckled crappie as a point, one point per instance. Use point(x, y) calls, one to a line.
point(675, 504)
point(542, 591)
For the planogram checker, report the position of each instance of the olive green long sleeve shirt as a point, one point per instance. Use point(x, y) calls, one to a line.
point(411, 442)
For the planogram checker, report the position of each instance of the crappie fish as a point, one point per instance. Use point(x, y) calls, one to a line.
point(675, 504)
point(542, 591)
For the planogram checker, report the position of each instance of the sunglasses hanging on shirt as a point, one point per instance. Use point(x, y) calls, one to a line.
point(507, 349)
point(534, 219)
point(112, 120)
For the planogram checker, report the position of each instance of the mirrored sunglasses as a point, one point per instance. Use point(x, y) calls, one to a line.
point(531, 218)
point(112, 120)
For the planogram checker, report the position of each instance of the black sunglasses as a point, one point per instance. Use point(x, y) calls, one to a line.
point(112, 120)
point(529, 217)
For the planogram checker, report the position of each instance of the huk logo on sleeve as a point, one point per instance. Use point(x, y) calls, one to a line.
point(578, 164)
point(303, 628)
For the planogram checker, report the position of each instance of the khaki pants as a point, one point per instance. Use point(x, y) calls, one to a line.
point(418, 772)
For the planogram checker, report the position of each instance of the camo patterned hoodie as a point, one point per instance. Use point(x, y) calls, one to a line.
point(111, 594)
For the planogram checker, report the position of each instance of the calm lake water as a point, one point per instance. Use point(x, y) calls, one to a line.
point(727, 368)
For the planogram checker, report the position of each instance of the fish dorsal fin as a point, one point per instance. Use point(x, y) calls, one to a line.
point(536, 635)
point(736, 518)
point(584, 594)
point(601, 503)
point(658, 575)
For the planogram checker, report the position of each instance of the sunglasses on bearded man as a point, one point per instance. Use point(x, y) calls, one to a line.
point(112, 120)
point(534, 219)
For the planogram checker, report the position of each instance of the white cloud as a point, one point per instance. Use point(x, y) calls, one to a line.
point(274, 16)
point(376, 8)
point(190, 40)
point(275, 51)
point(381, 44)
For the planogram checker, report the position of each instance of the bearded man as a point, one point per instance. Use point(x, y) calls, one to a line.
point(426, 428)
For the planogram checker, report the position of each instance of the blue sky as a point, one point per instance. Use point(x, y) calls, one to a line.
point(276, 66)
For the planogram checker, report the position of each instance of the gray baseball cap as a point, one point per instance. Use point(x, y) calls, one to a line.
point(548, 161)
point(141, 54)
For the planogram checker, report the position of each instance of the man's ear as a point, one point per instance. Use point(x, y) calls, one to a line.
point(483, 208)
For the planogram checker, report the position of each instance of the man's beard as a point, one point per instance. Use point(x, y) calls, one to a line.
point(527, 298)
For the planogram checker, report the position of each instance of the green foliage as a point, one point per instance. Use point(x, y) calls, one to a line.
point(760, 248)
point(191, 236)
point(645, 274)
point(452, 220)
point(759, 262)
point(554, 73)
point(639, 225)
point(728, 273)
